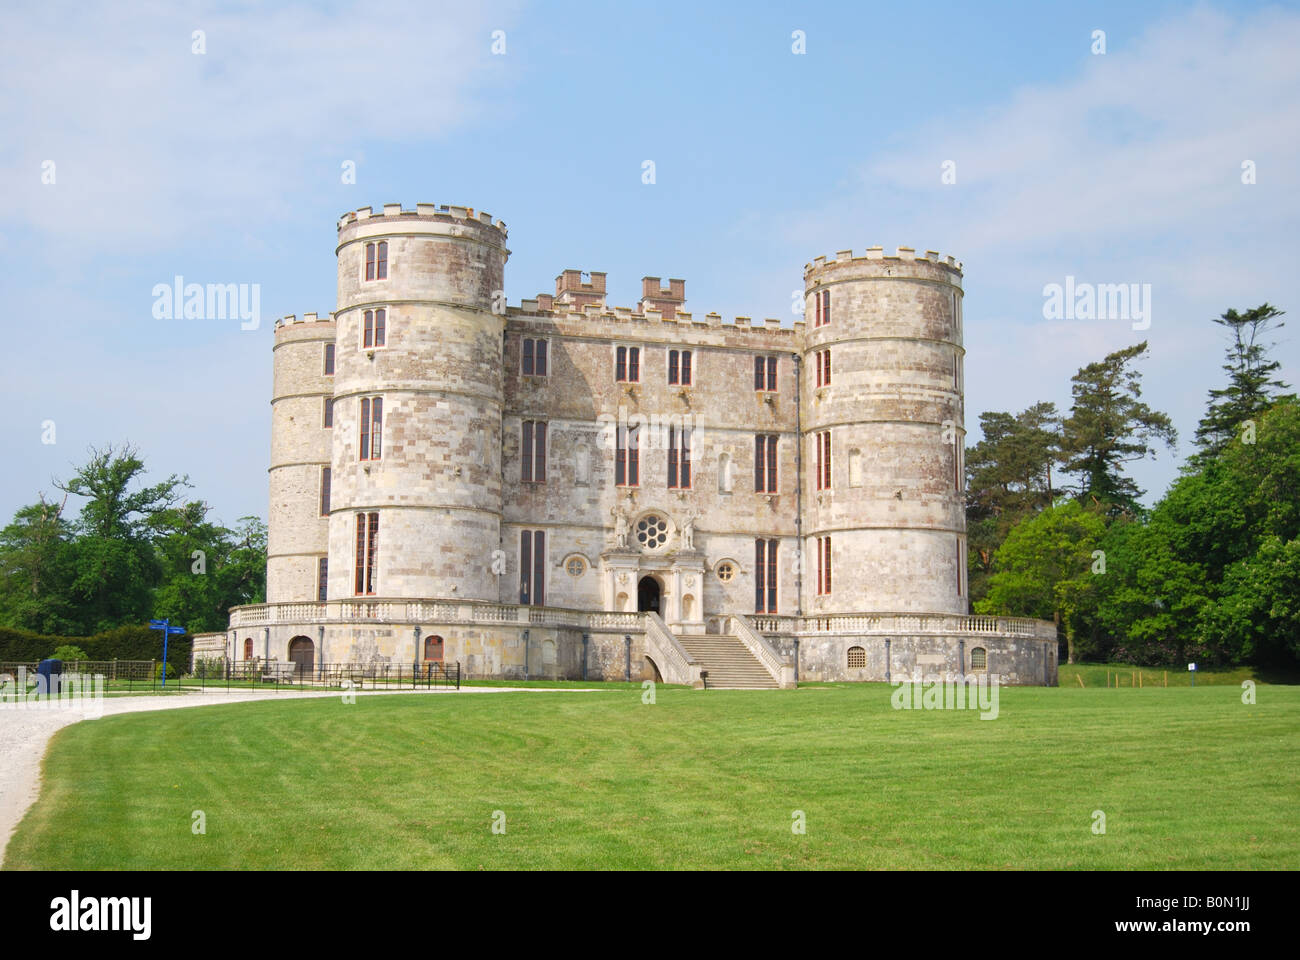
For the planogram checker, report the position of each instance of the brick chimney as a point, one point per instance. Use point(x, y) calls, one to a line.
point(667, 300)
point(572, 291)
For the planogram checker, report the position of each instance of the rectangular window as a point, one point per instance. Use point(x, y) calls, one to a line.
point(764, 576)
point(367, 553)
point(532, 567)
point(322, 578)
point(765, 463)
point(329, 359)
point(823, 460)
point(374, 333)
point(627, 365)
point(822, 360)
point(679, 458)
point(679, 367)
point(377, 260)
point(372, 415)
point(532, 457)
point(329, 411)
point(961, 567)
point(823, 566)
point(822, 303)
point(627, 457)
point(534, 357)
point(324, 491)
point(765, 373)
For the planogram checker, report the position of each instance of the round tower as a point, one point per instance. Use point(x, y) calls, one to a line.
point(888, 414)
point(301, 448)
point(418, 399)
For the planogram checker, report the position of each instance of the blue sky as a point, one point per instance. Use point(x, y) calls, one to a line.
point(225, 167)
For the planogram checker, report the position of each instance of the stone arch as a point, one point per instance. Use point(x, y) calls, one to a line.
point(302, 653)
point(688, 606)
point(658, 675)
point(621, 602)
point(724, 473)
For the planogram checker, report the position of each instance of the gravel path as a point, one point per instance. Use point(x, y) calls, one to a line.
point(25, 733)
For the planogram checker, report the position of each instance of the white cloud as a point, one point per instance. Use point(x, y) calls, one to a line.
point(150, 139)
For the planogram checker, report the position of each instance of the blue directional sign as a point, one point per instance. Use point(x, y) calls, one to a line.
point(167, 631)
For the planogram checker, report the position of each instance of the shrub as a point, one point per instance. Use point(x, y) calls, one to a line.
point(69, 652)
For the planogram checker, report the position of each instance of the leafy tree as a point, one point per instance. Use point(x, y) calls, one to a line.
point(207, 568)
point(115, 567)
point(69, 652)
point(1009, 477)
point(1108, 426)
point(1251, 388)
point(36, 570)
point(1044, 569)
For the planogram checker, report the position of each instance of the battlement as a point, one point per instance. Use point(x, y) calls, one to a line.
point(667, 300)
point(878, 253)
point(306, 318)
point(544, 305)
point(422, 211)
point(572, 290)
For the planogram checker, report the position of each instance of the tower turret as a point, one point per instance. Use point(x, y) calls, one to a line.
point(301, 448)
point(418, 401)
point(883, 434)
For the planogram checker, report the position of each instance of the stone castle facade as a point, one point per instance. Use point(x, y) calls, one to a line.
point(571, 489)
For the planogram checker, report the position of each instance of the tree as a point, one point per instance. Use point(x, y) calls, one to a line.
point(1109, 426)
point(36, 570)
point(207, 568)
point(1044, 569)
point(115, 567)
point(1251, 389)
point(1008, 477)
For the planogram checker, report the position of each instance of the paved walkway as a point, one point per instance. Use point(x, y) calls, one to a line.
point(25, 733)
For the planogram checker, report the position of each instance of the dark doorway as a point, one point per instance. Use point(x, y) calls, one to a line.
point(647, 594)
point(303, 653)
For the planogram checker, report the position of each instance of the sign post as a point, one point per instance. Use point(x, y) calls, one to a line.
point(167, 631)
point(1191, 669)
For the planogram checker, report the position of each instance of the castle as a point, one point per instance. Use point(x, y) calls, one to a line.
point(567, 489)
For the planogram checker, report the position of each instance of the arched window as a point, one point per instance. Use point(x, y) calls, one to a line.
point(248, 649)
point(979, 659)
point(857, 658)
point(433, 648)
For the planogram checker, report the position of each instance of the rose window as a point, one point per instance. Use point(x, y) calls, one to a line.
point(652, 532)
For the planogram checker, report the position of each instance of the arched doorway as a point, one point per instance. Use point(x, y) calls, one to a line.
point(248, 649)
point(648, 594)
point(302, 652)
point(433, 647)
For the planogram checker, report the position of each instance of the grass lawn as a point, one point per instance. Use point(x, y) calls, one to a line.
point(1187, 778)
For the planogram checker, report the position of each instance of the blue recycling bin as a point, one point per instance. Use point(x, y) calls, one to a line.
point(49, 675)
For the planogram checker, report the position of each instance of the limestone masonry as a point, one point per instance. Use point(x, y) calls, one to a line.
point(576, 490)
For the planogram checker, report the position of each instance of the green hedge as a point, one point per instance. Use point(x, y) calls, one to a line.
point(120, 643)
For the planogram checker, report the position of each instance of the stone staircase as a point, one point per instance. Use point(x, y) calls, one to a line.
point(729, 663)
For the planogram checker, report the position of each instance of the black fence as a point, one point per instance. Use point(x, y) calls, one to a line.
point(144, 676)
point(289, 675)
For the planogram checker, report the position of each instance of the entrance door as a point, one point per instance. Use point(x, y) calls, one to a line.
point(647, 594)
point(303, 653)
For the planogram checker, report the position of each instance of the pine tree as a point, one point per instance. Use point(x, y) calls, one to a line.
point(1251, 388)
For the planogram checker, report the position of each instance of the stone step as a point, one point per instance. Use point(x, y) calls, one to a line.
point(728, 663)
